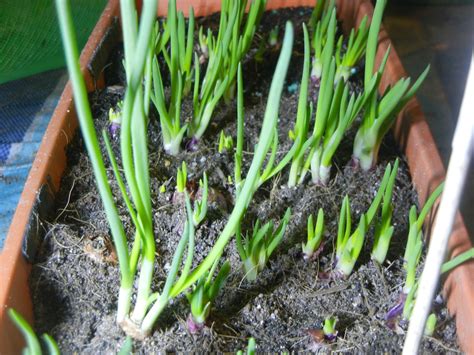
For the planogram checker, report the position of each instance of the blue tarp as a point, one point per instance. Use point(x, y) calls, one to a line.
point(26, 107)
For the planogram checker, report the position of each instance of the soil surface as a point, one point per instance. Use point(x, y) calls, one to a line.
point(75, 278)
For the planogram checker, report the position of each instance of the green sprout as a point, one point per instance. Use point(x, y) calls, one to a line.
point(273, 36)
point(181, 178)
point(203, 295)
point(182, 44)
point(315, 235)
point(415, 239)
point(258, 247)
point(225, 142)
point(303, 117)
point(380, 114)
point(320, 23)
point(179, 65)
point(33, 346)
point(430, 325)
point(349, 246)
point(329, 328)
point(162, 188)
point(384, 228)
point(200, 206)
point(127, 347)
point(251, 346)
point(242, 35)
point(204, 42)
point(115, 120)
point(355, 50)
point(227, 50)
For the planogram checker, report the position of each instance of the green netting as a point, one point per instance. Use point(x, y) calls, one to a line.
point(29, 35)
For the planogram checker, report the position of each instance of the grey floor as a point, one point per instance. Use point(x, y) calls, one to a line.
point(442, 35)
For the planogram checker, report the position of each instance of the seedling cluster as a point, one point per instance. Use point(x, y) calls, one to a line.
point(168, 61)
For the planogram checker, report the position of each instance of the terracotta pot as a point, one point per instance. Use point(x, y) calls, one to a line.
point(411, 131)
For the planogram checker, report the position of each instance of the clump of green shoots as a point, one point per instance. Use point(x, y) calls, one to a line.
point(259, 246)
point(335, 112)
point(356, 45)
point(225, 53)
point(203, 295)
point(349, 246)
point(180, 67)
point(242, 35)
point(380, 113)
point(138, 44)
point(384, 228)
point(313, 245)
point(33, 346)
point(225, 142)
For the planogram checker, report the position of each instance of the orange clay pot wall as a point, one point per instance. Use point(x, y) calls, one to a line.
point(411, 131)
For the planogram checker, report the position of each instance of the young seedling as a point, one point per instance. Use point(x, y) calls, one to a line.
point(412, 257)
point(430, 326)
point(181, 178)
point(204, 42)
point(379, 114)
point(251, 346)
point(242, 36)
point(356, 45)
point(329, 328)
point(315, 236)
point(203, 295)
point(134, 150)
point(258, 247)
point(273, 36)
point(232, 43)
point(181, 75)
point(384, 228)
point(115, 119)
point(33, 346)
point(408, 308)
point(225, 142)
point(200, 206)
point(320, 24)
point(415, 238)
point(349, 246)
point(182, 44)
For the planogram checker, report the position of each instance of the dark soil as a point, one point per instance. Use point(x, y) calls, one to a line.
point(75, 279)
